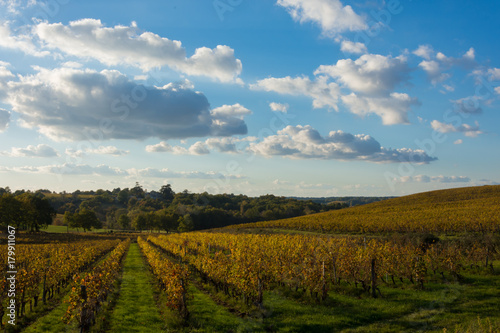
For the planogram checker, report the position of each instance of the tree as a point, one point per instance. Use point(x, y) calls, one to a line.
point(86, 219)
point(137, 191)
point(185, 223)
point(10, 211)
point(167, 193)
point(37, 212)
point(123, 195)
point(140, 222)
point(124, 221)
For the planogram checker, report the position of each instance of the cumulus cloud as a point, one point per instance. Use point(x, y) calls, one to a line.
point(161, 147)
point(371, 79)
point(223, 145)
point(4, 119)
point(76, 104)
point(434, 71)
point(331, 15)
point(279, 107)
point(304, 142)
point(323, 93)
point(392, 109)
point(352, 47)
point(101, 150)
point(4, 72)
point(468, 105)
point(371, 74)
point(89, 38)
point(494, 74)
point(41, 150)
point(424, 51)
point(18, 41)
point(458, 142)
point(435, 65)
point(468, 130)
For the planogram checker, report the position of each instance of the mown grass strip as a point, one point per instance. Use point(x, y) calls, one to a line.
point(136, 310)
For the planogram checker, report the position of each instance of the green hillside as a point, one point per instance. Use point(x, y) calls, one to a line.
point(475, 209)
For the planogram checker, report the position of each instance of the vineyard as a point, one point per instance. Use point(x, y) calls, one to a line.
point(462, 210)
point(362, 270)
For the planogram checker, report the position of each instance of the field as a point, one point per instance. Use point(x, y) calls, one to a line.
point(423, 263)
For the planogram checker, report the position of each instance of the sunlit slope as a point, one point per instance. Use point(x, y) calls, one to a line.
point(454, 210)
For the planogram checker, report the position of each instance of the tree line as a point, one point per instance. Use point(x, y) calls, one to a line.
point(138, 209)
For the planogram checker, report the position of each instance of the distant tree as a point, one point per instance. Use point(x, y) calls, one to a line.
point(140, 222)
point(86, 219)
point(137, 191)
point(185, 223)
point(124, 221)
point(11, 210)
point(37, 212)
point(167, 193)
point(123, 196)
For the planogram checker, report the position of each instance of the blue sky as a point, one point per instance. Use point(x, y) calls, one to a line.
point(290, 97)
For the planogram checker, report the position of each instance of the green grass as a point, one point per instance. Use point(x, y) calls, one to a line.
point(52, 322)
point(135, 310)
point(62, 229)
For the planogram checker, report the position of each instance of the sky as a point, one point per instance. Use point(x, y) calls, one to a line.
point(288, 97)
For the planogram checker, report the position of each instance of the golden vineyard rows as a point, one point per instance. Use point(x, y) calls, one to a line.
point(173, 277)
point(90, 289)
point(247, 264)
point(44, 268)
point(448, 211)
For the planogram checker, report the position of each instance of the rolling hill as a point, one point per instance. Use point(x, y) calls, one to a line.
point(468, 209)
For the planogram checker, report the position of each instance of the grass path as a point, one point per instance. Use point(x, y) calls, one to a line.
point(135, 310)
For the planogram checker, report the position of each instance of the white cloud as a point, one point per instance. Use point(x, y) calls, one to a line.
point(434, 71)
point(393, 109)
point(235, 110)
point(352, 47)
point(161, 147)
point(494, 74)
point(304, 142)
point(223, 145)
point(18, 41)
point(424, 51)
point(101, 150)
point(468, 130)
point(435, 66)
point(75, 104)
point(371, 74)
point(4, 72)
point(279, 107)
point(458, 142)
point(323, 93)
point(89, 38)
point(41, 150)
point(468, 105)
point(4, 119)
point(333, 17)
point(497, 89)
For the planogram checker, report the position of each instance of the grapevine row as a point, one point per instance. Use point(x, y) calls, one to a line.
point(90, 289)
point(247, 264)
point(173, 277)
point(43, 269)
